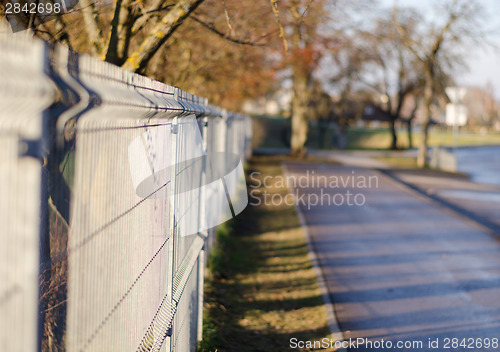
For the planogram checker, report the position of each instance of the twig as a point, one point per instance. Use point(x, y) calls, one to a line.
point(274, 6)
point(228, 20)
point(223, 35)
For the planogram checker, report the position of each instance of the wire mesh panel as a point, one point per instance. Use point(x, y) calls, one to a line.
point(118, 249)
point(121, 220)
point(22, 72)
point(135, 176)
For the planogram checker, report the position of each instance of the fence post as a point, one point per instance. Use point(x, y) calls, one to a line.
point(23, 215)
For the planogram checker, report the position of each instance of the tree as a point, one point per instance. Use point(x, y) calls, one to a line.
point(399, 72)
point(226, 51)
point(435, 47)
point(222, 50)
point(346, 62)
point(301, 20)
point(376, 58)
point(307, 28)
point(128, 36)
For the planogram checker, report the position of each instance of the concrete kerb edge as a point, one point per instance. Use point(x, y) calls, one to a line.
point(333, 325)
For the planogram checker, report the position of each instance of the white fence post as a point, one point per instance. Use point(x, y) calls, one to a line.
point(23, 73)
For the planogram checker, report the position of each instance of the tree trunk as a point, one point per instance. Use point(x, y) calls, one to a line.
point(300, 84)
point(394, 143)
point(299, 115)
point(422, 149)
point(409, 126)
point(428, 95)
point(410, 140)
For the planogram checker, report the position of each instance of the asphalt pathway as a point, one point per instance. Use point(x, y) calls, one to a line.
point(399, 267)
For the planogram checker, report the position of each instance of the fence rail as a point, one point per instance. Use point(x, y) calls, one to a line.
point(111, 186)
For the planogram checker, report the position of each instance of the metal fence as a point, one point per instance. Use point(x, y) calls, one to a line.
point(111, 185)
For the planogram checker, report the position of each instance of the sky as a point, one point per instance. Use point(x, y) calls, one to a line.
point(484, 63)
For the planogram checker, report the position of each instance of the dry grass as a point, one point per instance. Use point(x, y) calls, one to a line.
point(262, 290)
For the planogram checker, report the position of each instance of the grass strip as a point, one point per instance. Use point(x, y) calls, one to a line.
point(261, 290)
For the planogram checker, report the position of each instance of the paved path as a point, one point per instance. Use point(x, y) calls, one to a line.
point(400, 267)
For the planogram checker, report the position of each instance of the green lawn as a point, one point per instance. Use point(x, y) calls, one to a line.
point(274, 133)
point(380, 138)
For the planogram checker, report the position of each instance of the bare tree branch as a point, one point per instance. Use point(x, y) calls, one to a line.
point(409, 42)
point(160, 34)
point(112, 52)
point(274, 6)
point(92, 26)
point(152, 11)
point(228, 20)
point(223, 35)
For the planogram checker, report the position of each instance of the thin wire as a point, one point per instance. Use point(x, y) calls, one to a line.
point(70, 250)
